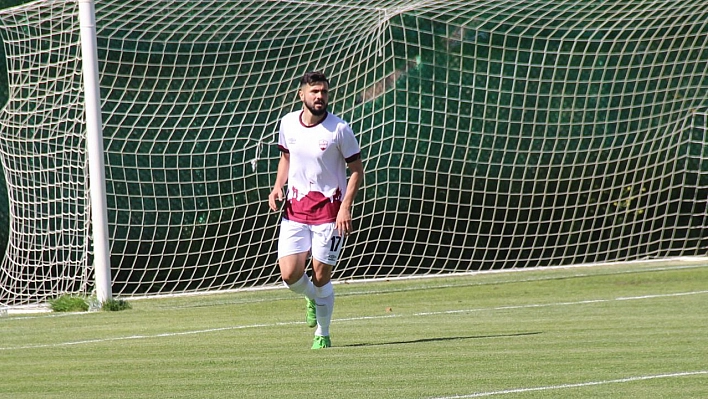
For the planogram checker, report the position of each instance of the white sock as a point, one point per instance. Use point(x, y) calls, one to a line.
point(324, 298)
point(303, 286)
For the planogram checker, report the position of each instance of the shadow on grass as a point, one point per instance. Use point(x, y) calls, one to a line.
point(439, 339)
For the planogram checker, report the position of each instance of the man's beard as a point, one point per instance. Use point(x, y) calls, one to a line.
point(315, 111)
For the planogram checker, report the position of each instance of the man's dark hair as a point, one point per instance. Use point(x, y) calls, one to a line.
point(311, 78)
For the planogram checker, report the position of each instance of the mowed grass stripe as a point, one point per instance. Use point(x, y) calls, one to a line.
point(352, 319)
point(406, 339)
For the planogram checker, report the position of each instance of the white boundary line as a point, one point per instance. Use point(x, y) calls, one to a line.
point(577, 385)
point(680, 262)
point(270, 325)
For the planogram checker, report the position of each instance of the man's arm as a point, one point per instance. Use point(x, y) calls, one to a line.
point(344, 217)
point(280, 180)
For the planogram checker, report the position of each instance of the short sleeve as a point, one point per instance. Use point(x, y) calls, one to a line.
point(348, 144)
point(282, 142)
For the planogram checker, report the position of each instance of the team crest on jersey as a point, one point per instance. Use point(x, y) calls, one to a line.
point(323, 144)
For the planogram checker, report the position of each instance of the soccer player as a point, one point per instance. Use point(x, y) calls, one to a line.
point(316, 148)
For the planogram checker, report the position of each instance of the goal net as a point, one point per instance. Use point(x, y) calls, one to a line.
point(495, 134)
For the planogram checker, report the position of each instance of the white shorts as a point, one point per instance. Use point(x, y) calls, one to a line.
point(322, 241)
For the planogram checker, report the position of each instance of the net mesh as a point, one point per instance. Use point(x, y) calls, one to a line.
point(495, 135)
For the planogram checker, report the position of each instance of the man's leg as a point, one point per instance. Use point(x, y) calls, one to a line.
point(292, 270)
point(326, 247)
point(294, 247)
point(291, 267)
point(324, 296)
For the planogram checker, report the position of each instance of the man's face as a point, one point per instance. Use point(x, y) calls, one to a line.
point(315, 97)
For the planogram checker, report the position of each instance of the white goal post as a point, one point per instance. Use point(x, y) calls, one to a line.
point(495, 134)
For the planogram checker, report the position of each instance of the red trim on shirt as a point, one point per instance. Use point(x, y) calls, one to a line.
point(309, 126)
point(314, 208)
point(353, 158)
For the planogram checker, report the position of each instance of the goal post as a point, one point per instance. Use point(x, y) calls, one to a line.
point(495, 135)
point(94, 144)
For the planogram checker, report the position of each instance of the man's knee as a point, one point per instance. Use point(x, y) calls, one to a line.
point(321, 273)
point(292, 267)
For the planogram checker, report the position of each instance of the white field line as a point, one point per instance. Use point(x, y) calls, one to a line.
point(577, 385)
point(270, 325)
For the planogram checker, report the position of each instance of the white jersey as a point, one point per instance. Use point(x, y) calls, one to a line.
point(317, 177)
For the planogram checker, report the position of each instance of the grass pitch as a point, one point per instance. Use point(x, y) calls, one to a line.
point(624, 331)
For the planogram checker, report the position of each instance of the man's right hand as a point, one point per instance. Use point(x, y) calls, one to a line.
point(275, 195)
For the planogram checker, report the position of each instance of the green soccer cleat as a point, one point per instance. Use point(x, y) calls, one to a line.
point(321, 342)
point(311, 315)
